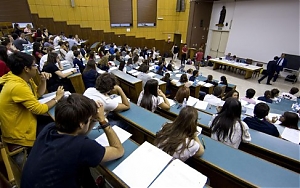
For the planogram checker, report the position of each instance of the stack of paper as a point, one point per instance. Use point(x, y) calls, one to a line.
point(141, 167)
point(291, 135)
point(201, 105)
point(178, 174)
point(122, 135)
point(43, 100)
point(151, 74)
point(68, 70)
point(208, 85)
point(201, 83)
point(191, 101)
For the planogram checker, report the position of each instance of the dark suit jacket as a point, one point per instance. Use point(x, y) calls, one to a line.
point(280, 68)
point(271, 67)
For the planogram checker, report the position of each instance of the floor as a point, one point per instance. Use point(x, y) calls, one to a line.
point(242, 84)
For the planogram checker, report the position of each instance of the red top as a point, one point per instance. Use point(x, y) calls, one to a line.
point(199, 56)
point(184, 49)
point(3, 68)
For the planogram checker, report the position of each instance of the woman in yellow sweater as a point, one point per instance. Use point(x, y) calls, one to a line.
point(19, 103)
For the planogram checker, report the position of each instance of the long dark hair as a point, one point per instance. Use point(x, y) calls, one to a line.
point(183, 78)
point(150, 89)
point(166, 78)
point(3, 53)
point(172, 135)
point(122, 65)
point(90, 65)
point(290, 120)
point(226, 119)
point(51, 58)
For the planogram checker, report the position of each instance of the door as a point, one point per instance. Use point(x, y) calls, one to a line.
point(218, 43)
point(177, 39)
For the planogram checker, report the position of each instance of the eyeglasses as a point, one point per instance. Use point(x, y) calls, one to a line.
point(35, 65)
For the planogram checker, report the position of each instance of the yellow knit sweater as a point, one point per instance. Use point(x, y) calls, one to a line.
point(18, 106)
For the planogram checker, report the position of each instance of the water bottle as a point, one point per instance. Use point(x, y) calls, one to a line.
point(201, 74)
point(77, 68)
point(184, 103)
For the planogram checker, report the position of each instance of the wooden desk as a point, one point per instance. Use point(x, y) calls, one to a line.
point(77, 82)
point(131, 86)
point(249, 69)
point(224, 165)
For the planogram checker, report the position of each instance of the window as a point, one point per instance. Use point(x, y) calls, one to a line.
point(120, 13)
point(146, 14)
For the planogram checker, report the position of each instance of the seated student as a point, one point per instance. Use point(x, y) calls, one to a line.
point(189, 73)
point(103, 63)
point(167, 79)
point(290, 120)
point(78, 61)
point(143, 75)
point(183, 80)
point(210, 80)
point(45, 57)
point(58, 78)
point(223, 81)
point(227, 126)
point(149, 99)
point(63, 154)
point(82, 49)
point(70, 54)
point(214, 99)
point(90, 74)
point(19, 105)
point(233, 93)
point(179, 138)
point(105, 84)
point(182, 93)
point(160, 70)
point(259, 121)
point(249, 95)
point(266, 97)
point(291, 95)
point(170, 67)
point(194, 76)
point(274, 94)
point(3, 59)
point(37, 51)
point(62, 50)
point(122, 66)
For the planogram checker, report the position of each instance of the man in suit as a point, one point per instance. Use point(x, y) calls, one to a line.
point(271, 68)
point(279, 66)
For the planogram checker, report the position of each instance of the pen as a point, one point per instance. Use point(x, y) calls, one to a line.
point(179, 106)
point(203, 142)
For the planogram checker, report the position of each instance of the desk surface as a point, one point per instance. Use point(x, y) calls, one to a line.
point(249, 168)
point(125, 76)
point(236, 64)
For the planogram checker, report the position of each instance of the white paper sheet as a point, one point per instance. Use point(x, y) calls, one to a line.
point(174, 81)
point(151, 74)
point(48, 98)
point(100, 71)
point(68, 70)
point(191, 101)
point(151, 68)
point(122, 134)
point(136, 73)
point(291, 135)
point(201, 105)
point(172, 102)
point(178, 75)
point(201, 83)
point(208, 85)
point(141, 167)
point(132, 71)
point(179, 174)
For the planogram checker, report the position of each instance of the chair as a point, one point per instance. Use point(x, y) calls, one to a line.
point(257, 73)
point(13, 173)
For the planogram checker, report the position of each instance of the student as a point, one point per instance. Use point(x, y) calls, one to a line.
point(63, 154)
point(19, 107)
point(160, 70)
point(78, 61)
point(149, 99)
point(37, 53)
point(291, 95)
point(105, 84)
point(274, 94)
point(227, 126)
point(3, 59)
point(144, 76)
point(62, 50)
point(199, 58)
point(58, 78)
point(194, 76)
point(184, 51)
point(122, 66)
point(214, 99)
point(184, 80)
point(70, 54)
point(182, 93)
point(82, 49)
point(290, 120)
point(175, 51)
point(189, 73)
point(249, 96)
point(103, 63)
point(170, 67)
point(45, 57)
point(266, 97)
point(210, 80)
point(179, 138)
point(233, 93)
point(90, 74)
point(167, 79)
point(259, 121)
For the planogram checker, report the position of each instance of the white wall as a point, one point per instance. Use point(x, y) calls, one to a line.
point(260, 29)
